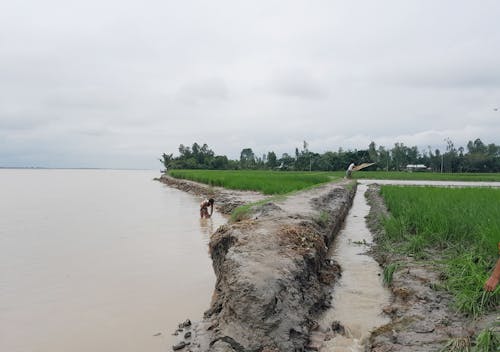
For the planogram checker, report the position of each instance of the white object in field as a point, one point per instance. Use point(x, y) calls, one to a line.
point(362, 166)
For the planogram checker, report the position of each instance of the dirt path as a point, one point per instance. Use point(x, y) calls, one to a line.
point(431, 183)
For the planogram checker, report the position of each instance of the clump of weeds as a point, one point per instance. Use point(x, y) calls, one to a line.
point(323, 219)
point(301, 237)
point(389, 273)
point(458, 344)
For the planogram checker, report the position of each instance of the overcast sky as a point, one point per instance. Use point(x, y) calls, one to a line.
point(115, 83)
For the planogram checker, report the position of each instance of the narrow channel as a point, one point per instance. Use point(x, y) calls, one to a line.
point(359, 295)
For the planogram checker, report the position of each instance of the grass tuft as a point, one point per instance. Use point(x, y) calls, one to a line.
point(487, 340)
point(458, 344)
point(389, 273)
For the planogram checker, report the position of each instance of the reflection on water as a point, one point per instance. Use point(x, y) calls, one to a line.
point(359, 295)
point(99, 260)
point(207, 227)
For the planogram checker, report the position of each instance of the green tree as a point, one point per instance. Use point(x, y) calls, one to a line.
point(384, 158)
point(286, 162)
point(247, 158)
point(272, 161)
point(219, 162)
point(372, 152)
point(166, 160)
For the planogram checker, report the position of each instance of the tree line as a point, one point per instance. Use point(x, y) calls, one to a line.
point(476, 157)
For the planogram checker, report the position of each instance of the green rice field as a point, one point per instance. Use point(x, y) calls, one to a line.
point(267, 182)
point(278, 182)
point(434, 176)
point(461, 226)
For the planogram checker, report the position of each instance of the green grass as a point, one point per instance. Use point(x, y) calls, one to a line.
point(460, 226)
point(435, 176)
point(487, 340)
point(243, 211)
point(389, 272)
point(277, 182)
point(267, 182)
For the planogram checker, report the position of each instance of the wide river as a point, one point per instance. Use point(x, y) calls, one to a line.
point(99, 260)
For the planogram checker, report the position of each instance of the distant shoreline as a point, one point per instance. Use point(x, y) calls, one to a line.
point(68, 168)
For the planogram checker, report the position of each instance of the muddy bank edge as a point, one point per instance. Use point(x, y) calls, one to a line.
point(273, 273)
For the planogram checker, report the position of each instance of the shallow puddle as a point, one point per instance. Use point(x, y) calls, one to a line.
point(359, 295)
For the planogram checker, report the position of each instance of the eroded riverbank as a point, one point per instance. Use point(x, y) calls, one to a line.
point(273, 273)
point(275, 276)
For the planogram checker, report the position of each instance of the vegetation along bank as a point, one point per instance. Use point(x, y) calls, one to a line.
point(436, 245)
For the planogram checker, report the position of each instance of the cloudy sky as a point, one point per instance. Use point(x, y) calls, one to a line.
point(115, 83)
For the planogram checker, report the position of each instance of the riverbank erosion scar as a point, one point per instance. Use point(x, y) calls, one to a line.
point(225, 200)
point(273, 273)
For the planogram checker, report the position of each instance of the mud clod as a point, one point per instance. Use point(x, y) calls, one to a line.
point(180, 346)
point(338, 328)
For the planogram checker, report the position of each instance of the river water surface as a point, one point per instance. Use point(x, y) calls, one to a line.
point(99, 260)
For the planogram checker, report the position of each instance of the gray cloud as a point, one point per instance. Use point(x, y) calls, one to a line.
point(206, 89)
point(447, 75)
point(108, 83)
point(298, 84)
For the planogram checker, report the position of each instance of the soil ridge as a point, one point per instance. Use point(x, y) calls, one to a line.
point(272, 270)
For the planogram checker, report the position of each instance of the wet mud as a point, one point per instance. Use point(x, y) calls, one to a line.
point(359, 295)
point(273, 274)
point(422, 317)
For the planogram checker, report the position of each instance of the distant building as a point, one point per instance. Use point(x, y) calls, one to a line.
point(416, 167)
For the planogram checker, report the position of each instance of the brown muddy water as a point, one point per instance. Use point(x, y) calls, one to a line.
point(99, 260)
point(359, 295)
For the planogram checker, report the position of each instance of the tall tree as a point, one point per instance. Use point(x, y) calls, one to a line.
point(247, 158)
point(272, 161)
point(372, 152)
point(166, 160)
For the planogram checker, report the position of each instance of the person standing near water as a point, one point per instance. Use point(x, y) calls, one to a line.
point(204, 208)
point(348, 173)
